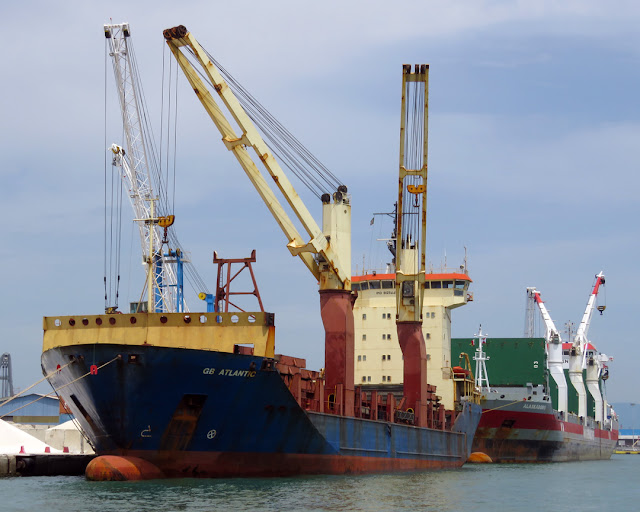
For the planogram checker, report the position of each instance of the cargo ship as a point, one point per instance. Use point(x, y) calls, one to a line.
point(531, 409)
point(535, 406)
point(164, 392)
point(204, 395)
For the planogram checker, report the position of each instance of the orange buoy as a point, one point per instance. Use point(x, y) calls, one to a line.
point(479, 458)
point(118, 468)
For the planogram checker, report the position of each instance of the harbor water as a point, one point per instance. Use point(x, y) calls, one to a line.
point(579, 486)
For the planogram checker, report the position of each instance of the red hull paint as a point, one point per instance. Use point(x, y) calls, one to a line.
point(527, 436)
point(538, 421)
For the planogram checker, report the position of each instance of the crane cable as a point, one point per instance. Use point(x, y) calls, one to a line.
point(34, 384)
point(289, 151)
point(112, 207)
point(413, 159)
point(190, 272)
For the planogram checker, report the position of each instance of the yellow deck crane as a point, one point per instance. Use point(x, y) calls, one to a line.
point(326, 252)
point(411, 234)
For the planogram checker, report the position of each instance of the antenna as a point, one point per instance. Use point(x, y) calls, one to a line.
point(480, 358)
point(5, 375)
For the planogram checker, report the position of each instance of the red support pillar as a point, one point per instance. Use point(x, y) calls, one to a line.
point(391, 408)
point(336, 310)
point(296, 387)
point(373, 415)
point(415, 368)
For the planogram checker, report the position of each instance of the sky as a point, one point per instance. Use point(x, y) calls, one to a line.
point(534, 122)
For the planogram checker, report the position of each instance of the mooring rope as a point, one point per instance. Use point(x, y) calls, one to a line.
point(34, 384)
point(55, 390)
point(505, 405)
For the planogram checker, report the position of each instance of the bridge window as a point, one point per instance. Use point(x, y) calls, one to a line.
point(364, 285)
point(388, 285)
point(374, 285)
point(460, 285)
point(436, 284)
point(447, 284)
point(355, 287)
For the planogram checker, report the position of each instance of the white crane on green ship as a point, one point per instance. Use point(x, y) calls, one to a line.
point(583, 356)
point(554, 351)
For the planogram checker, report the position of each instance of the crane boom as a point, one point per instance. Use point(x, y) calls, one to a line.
point(327, 253)
point(550, 326)
point(583, 328)
point(334, 270)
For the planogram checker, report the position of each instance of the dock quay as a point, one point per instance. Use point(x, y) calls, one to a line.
point(41, 449)
point(44, 464)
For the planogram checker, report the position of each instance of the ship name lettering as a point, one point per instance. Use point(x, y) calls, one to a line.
point(228, 372)
point(533, 406)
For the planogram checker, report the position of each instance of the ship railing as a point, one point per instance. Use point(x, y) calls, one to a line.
point(432, 269)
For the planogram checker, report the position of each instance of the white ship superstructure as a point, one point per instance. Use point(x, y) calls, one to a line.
point(378, 357)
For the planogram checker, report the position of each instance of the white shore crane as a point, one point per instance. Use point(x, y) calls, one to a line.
point(164, 283)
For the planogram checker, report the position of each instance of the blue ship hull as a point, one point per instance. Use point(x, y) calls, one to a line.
point(205, 413)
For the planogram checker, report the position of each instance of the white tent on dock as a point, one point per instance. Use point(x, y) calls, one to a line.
point(14, 441)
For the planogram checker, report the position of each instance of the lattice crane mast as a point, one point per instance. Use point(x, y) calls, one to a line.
point(326, 252)
point(164, 281)
point(554, 350)
point(411, 233)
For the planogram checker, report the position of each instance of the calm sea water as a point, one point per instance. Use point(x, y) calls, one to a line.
point(581, 486)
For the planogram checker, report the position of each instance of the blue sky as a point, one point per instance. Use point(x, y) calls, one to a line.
point(534, 128)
